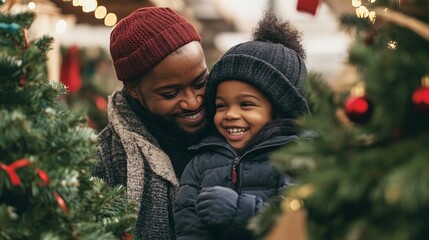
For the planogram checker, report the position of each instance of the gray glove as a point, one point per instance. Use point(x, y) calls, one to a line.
point(217, 205)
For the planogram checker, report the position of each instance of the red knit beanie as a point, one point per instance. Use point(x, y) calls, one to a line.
point(144, 38)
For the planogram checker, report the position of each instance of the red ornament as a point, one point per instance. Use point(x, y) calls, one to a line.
point(126, 236)
point(44, 176)
point(358, 109)
point(70, 70)
point(309, 6)
point(421, 99)
point(22, 81)
point(11, 170)
point(369, 38)
point(101, 103)
point(61, 202)
point(370, 35)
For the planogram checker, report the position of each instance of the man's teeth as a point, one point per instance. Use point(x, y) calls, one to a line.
point(236, 131)
point(195, 116)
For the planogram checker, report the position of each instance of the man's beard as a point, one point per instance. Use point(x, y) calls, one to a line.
point(173, 126)
point(194, 136)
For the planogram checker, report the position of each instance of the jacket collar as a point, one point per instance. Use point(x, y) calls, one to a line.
point(213, 141)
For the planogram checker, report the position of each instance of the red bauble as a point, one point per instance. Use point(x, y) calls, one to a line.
point(358, 109)
point(101, 103)
point(421, 99)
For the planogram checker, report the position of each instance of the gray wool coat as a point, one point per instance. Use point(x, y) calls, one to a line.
point(130, 156)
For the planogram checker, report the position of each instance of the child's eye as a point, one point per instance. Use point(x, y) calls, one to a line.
point(220, 105)
point(247, 104)
point(169, 95)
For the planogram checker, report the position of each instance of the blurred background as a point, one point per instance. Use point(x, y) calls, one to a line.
point(81, 28)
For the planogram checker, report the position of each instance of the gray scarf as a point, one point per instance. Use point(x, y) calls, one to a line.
point(131, 156)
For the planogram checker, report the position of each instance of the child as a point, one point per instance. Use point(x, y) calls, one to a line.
point(254, 94)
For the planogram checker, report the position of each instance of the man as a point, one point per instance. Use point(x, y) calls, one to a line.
point(160, 112)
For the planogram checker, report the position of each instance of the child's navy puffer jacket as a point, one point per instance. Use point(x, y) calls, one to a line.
point(251, 175)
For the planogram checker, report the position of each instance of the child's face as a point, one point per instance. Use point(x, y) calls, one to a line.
point(241, 112)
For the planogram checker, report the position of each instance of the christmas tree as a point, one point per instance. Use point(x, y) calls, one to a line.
point(46, 190)
point(362, 166)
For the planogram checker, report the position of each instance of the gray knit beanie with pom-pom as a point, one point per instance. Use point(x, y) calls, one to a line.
point(270, 65)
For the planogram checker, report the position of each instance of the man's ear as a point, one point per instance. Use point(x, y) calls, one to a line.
point(132, 89)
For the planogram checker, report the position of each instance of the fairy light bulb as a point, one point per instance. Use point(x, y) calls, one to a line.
point(100, 12)
point(362, 12)
point(372, 16)
point(77, 3)
point(392, 44)
point(31, 5)
point(110, 19)
point(356, 3)
point(89, 6)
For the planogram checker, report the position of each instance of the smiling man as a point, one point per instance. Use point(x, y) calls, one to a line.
point(159, 113)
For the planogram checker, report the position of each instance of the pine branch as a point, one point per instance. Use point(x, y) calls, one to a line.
point(401, 19)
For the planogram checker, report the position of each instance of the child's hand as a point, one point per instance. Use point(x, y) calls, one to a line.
point(217, 205)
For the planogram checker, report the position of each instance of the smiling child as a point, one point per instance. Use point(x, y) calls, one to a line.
point(255, 93)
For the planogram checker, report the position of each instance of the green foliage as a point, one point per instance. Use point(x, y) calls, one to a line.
point(369, 180)
point(37, 127)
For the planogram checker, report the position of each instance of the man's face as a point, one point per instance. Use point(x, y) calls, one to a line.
point(174, 89)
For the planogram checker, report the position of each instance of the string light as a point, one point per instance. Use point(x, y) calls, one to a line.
point(110, 19)
point(392, 44)
point(356, 3)
point(61, 26)
point(89, 5)
point(31, 5)
point(77, 3)
point(372, 16)
point(100, 12)
point(362, 11)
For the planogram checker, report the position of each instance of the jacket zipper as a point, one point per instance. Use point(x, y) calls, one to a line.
point(236, 162)
point(234, 170)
